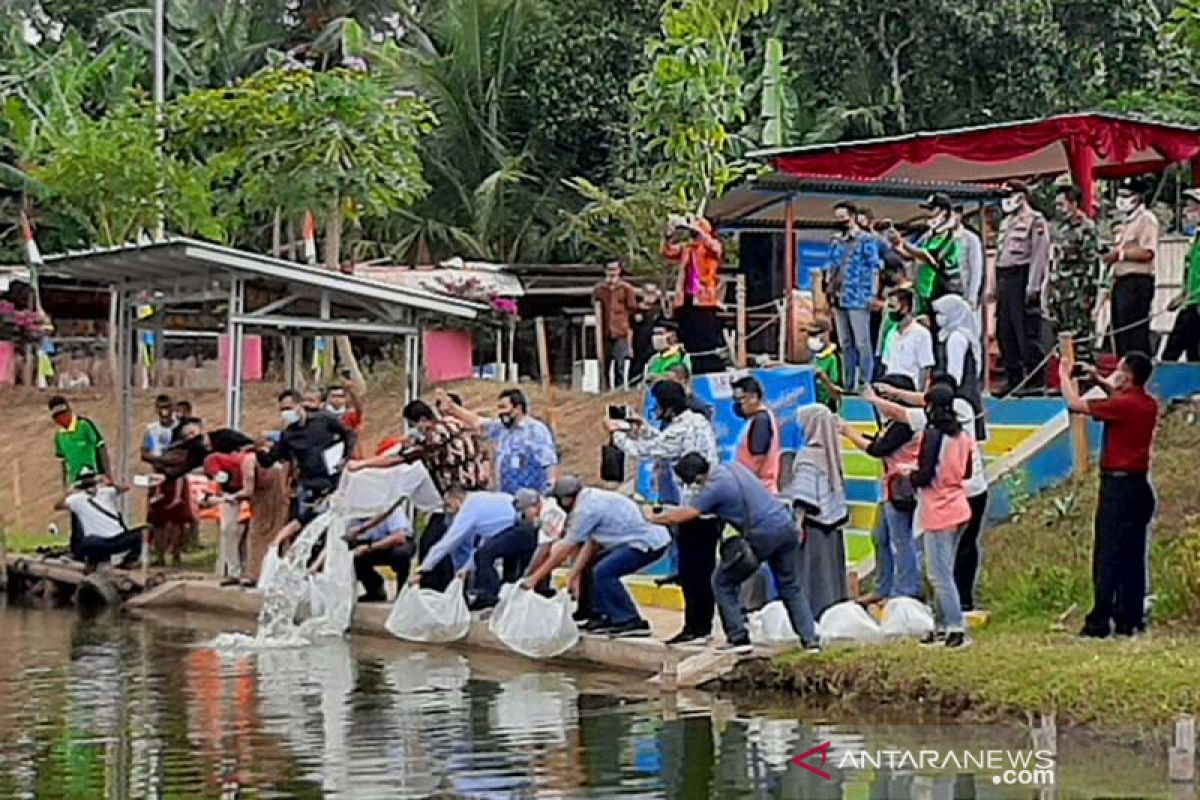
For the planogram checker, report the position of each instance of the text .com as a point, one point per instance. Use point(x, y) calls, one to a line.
point(1007, 767)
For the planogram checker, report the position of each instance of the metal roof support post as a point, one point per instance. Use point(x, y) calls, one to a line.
point(123, 349)
point(326, 345)
point(412, 368)
point(234, 336)
point(788, 319)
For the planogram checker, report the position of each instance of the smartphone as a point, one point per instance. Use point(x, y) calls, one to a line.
point(618, 412)
point(144, 481)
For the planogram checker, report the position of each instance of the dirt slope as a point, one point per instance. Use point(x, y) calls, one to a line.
point(30, 479)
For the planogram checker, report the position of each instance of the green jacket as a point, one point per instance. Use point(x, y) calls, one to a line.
point(662, 363)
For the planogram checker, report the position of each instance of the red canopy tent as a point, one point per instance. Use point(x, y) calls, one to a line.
point(1088, 146)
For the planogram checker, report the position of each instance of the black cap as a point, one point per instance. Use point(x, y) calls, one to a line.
point(938, 200)
point(1139, 185)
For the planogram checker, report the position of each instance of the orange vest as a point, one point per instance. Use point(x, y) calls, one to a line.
point(770, 468)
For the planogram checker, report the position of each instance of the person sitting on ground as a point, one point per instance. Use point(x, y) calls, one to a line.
point(526, 454)
point(943, 467)
point(731, 493)
point(758, 449)
point(104, 535)
point(827, 364)
point(1126, 503)
point(486, 527)
point(381, 541)
point(897, 565)
point(818, 493)
point(668, 352)
point(607, 529)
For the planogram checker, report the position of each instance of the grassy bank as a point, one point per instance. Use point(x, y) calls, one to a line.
point(1036, 584)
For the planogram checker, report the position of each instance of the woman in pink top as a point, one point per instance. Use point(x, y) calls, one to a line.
point(943, 467)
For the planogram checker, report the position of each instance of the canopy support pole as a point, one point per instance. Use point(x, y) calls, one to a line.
point(789, 283)
point(122, 341)
point(234, 331)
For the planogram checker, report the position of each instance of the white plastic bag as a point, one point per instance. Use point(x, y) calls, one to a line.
point(905, 616)
point(331, 591)
point(425, 615)
point(849, 623)
point(533, 625)
point(771, 625)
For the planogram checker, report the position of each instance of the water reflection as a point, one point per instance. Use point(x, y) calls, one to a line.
point(118, 708)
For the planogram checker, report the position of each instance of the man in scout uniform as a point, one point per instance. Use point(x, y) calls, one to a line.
point(1022, 260)
point(1075, 275)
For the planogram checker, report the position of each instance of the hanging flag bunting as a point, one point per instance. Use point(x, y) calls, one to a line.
point(310, 238)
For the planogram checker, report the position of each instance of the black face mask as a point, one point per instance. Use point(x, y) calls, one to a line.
point(897, 316)
point(843, 225)
point(739, 411)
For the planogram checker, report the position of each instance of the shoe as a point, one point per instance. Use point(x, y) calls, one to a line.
point(689, 637)
point(933, 639)
point(812, 648)
point(230, 582)
point(738, 646)
point(595, 625)
point(581, 615)
point(482, 603)
point(634, 629)
point(1093, 633)
point(957, 641)
point(372, 598)
point(249, 583)
point(669, 580)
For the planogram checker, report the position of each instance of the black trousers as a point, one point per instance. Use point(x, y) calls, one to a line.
point(398, 558)
point(1131, 299)
point(440, 576)
point(966, 558)
point(95, 550)
point(1185, 336)
point(697, 545)
point(1123, 514)
point(1016, 327)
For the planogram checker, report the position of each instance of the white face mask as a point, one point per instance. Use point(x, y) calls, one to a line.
point(291, 416)
point(221, 477)
point(1126, 204)
point(941, 320)
point(816, 344)
point(1011, 204)
point(658, 342)
point(337, 412)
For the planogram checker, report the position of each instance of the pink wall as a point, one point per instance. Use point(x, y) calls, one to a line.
point(252, 361)
point(8, 363)
point(448, 356)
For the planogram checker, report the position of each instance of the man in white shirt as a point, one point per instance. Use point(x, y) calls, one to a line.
point(93, 501)
point(910, 349)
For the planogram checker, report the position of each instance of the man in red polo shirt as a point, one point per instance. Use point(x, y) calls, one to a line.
point(1126, 503)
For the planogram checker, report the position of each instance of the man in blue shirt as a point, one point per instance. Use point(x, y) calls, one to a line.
point(606, 528)
point(486, 526)
point(850, 284)
point(732, 493)
point(384, 540)
point(526, 456)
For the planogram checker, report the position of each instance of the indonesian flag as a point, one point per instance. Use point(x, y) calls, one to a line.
point(310, 238)
point(33, 256)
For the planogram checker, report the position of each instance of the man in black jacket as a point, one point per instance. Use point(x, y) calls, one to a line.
point(311, 443)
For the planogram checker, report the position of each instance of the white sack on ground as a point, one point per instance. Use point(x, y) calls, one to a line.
point(849, 623)
point(906, 616)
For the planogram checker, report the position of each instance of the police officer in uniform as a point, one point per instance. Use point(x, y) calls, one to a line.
point(1021, 264)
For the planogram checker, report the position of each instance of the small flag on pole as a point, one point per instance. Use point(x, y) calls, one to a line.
point(33, 256)
point(310, 238)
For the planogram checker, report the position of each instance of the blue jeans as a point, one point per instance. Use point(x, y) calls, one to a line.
point(854, 337)
point(777, 549)
point(940, 549)
point(515, 546)
point(896, 562)
point(610, 598)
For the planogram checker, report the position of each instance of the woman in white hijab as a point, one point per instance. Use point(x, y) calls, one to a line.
point(818, 492)
point(960, 353)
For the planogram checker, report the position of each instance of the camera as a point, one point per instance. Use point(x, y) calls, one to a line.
point(618, 412)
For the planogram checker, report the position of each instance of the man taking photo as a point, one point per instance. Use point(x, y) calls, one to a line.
point(1126, 503)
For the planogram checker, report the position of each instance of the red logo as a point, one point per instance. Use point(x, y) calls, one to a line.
point(823, 750)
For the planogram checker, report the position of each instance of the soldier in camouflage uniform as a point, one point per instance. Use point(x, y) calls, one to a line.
point(1074, 277)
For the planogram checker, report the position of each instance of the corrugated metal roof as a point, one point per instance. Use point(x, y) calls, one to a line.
point(164, 264)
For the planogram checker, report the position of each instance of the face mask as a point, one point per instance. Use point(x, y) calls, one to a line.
point(658, 342)
point(842, 225)
point(62, 420)
point(1118, 380)
point(1010, 204)
point(896, 315)
point(290, 416)
point(338, 412)
point(816, 344)
point(739, 411)
point(941, 320)
point(221, 477)
point(1126, 204)
point(507, 420)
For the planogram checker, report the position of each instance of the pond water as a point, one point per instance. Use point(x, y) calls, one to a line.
point(119, 707)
